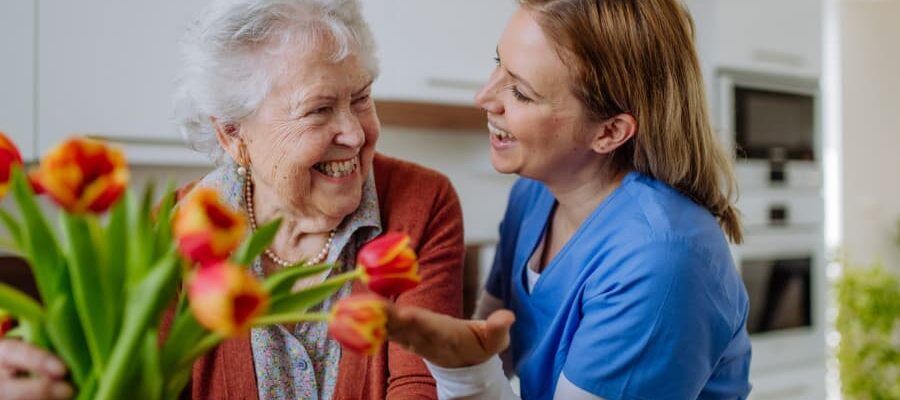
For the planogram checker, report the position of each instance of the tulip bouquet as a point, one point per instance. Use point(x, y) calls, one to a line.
point(115, 267)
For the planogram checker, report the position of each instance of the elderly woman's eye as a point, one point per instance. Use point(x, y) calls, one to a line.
point(360, 100)
point(320, 110)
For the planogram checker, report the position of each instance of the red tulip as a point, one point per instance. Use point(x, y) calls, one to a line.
point(7, 323)
point(226, 298)
point(34, 180)
point(207, 230)
point(9, 157)
point(389, 266)
point(83, 175)
point(358, 322)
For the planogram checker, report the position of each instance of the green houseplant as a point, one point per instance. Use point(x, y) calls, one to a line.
point(868, 301)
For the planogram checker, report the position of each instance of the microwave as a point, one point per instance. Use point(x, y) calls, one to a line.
point(771, 123)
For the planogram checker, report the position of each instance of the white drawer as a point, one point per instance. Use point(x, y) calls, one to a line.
point(781, 208)
point(752, 174)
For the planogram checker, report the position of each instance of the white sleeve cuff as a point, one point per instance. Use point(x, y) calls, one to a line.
point(481, 381)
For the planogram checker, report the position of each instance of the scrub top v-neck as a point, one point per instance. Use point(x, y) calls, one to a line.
point(642, 302)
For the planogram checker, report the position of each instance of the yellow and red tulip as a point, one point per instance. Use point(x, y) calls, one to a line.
point(359, 322)
point(226, 298)
point(388, 265)
point(9, 157)
point(207, 229)
point(7, 323)
point(83, 175)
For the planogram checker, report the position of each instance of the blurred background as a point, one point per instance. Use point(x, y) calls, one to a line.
point(806, 89)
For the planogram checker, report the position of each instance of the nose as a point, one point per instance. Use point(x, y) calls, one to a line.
point(487, 98)
point(350, 132)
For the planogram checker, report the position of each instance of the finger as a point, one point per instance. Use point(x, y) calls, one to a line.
point(34, 388)
point(494, 332)
point(20, 356)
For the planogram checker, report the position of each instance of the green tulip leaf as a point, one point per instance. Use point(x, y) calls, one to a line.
point(258, 241)
point(281, 282)
point(20, 305)
point(68, 338)
point(40, 247)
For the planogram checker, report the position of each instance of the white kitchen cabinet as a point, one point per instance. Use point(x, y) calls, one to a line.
point(17, 26)
point(771, 36)
point(436, 51)
point(107, 68)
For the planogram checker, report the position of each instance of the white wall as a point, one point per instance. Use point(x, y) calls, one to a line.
point(870, 82)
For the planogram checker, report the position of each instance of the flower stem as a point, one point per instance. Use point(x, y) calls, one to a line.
point(289, 317)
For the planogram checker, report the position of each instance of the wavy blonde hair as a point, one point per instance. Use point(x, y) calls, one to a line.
point(638, 57)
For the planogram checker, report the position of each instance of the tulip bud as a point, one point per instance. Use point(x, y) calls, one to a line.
point(207, 230)
point(226, 298)
point(7, 323)
point(389, 266)
point(83, 175)
point(358, 322)
point(9, 157)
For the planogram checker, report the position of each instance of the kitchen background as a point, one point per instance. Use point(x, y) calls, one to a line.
point(807, 88)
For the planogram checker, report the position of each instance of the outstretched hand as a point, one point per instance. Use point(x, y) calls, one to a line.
point(446, 341)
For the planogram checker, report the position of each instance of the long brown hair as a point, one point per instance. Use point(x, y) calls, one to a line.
point(638, 57)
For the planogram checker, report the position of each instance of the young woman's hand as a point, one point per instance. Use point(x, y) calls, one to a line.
point(446, 341)
point(29, 373)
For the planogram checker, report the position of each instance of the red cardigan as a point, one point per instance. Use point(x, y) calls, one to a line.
point(412, 199)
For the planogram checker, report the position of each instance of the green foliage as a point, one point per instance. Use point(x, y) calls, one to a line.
point(105, 282)
point(869, 324)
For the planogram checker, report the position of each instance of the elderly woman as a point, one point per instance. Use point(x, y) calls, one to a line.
point(279, 91)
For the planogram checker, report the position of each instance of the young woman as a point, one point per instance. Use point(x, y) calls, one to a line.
point(613, 254)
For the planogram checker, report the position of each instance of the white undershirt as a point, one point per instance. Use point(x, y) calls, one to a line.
point(487, 380)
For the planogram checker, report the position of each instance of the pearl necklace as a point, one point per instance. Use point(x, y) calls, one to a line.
point(248, 199)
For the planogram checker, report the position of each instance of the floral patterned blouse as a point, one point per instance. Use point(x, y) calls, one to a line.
point(303, 363)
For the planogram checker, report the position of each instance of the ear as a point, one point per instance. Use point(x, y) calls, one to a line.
point(612, 133)
point(229, 137)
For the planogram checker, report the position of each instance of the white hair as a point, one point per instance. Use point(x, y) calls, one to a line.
point(224, 75)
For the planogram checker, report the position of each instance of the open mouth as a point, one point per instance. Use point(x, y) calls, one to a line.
point(338, 168)
point(500, 134)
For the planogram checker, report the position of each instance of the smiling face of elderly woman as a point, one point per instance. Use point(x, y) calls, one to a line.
point(311, 141)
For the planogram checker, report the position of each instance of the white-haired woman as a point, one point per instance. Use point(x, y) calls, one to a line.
point(278, 91)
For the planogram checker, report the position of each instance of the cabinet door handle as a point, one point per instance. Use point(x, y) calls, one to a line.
point(778, 215)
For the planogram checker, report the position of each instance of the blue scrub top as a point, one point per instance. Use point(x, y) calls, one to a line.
point(643, 302)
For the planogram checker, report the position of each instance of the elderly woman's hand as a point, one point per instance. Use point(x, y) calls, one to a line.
point(27, 373)
point(446, 341)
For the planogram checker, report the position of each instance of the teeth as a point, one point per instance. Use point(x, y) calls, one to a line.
point(499, 133)
point(338, 169)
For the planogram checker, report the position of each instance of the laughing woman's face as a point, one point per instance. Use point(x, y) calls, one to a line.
point(538, 128)
point(312, 139)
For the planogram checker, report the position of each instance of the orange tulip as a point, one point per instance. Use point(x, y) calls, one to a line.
point(83, 175)
point(389, 266)
point(7, 323)
point(226, 298)
point(9, 157)
point(207, 229)
point(358, 322)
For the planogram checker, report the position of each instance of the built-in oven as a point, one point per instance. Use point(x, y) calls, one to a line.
point(771, 125)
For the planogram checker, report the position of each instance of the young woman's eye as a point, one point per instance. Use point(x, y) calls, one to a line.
point(497, 60)
point(519, 95)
